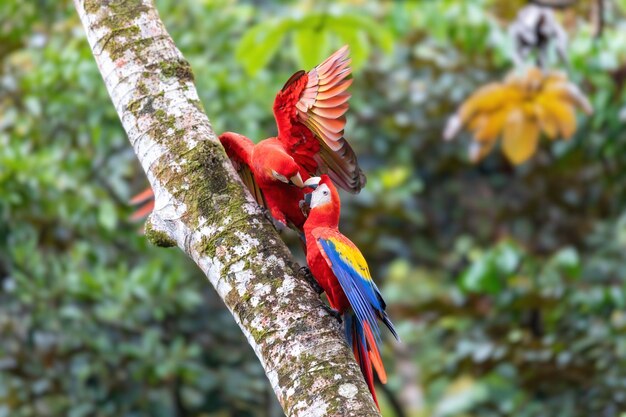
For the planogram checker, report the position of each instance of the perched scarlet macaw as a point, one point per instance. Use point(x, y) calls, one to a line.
point(340, 269)
point(309, 112)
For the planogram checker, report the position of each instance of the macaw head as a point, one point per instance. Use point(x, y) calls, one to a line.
point(324, 198)
point(283, 168)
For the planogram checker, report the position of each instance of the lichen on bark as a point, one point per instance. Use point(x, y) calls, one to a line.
point(202, 207)
point(158, 237)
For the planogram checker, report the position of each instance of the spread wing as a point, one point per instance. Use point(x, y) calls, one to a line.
point(350, 268)
point(239, 150)
point(310, 113)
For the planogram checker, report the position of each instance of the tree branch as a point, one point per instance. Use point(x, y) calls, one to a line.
point(597, 11)
point(555, 4)
point(202, 207)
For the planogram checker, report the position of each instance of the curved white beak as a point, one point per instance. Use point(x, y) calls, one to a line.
point(312, 182)
point(297, 180)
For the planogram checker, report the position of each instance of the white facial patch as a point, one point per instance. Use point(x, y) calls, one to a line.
point(280, 177)
point(320, 196)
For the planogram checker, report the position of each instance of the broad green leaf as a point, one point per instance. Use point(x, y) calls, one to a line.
point(107, 215)
point(351, 25)
point(359, 44)
point(261, 43)
point(482, 276)
point(311, 46)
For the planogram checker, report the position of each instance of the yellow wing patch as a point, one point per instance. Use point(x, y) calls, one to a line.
point(350, 254)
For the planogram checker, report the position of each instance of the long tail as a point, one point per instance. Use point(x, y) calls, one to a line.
point(366, 352)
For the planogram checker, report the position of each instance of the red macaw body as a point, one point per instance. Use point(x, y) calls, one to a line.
point(340, 269)
point(270, 173)
point(309, 112)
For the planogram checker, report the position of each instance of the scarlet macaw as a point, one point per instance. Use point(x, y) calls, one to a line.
point(340, 269)
point(309, 112)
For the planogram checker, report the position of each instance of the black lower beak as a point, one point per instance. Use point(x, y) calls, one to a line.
point(307, 199)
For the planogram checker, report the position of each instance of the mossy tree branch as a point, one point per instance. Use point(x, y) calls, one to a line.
point(202, 207)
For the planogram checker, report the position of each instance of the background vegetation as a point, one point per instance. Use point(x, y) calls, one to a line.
point(508, 284)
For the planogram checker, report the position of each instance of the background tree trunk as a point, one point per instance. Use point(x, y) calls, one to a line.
point(202, 207)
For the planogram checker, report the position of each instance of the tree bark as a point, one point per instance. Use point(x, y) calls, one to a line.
point(203, 208)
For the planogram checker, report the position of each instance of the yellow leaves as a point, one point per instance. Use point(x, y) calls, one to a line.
point(519, 110)
point(491, 127)
point(520, 137)
point(563, 115)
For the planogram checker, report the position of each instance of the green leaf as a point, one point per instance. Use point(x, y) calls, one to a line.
point(567, 259)
point(377, 32)
point(507, 257)
point(311, 46)
point(482, 276)
point(259, 44)
point(359, 45)
point(107, 215)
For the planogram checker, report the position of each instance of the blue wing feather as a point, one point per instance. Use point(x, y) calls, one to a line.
point(361, 291)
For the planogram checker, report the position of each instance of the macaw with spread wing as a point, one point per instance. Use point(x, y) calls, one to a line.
point(310, 116)
point(342, 272)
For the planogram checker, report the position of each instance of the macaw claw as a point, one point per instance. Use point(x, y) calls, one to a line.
point(278, 225)
point(305, 273)
point(334, 313)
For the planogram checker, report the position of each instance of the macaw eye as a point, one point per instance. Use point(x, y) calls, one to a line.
point(325, 193)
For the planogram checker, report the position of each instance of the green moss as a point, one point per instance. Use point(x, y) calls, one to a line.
point(123, 11)
point(135, 107)
point(157, 237)
point(128, 7)
point(124, 39)
point(117, 41)
point(306, 381)
point(257, 334)
point(198, 105)
point(160, 115)
point(144, 105)
point(165, 131)
point(178, 68)
point(208, 186)
point(119, 16)
point(142, 88)
point(91, 6)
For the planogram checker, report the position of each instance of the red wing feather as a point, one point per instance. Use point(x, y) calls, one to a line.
point(293, 79)
point(142, 196)
point(143, 211)
point(145, 200)
point(318, 100)
point(374, 354)
point(239, 150)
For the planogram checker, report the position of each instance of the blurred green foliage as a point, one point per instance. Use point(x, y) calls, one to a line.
point(507, 284)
